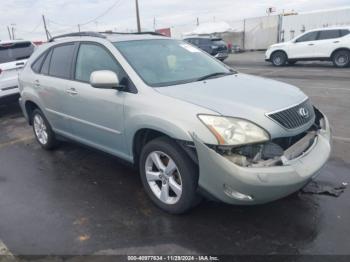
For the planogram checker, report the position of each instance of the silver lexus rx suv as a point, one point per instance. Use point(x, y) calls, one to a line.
point(192, 125)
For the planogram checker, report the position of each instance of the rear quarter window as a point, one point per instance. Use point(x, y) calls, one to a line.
point(15, 51)
point(36, 66)
point(46, 64)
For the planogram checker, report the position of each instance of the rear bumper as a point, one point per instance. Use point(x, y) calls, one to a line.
point(220, 177)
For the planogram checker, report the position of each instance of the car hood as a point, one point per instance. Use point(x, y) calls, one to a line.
point(279, 45)
point(237, 95)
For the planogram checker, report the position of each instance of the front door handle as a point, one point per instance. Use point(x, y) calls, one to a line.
point(20, 63)
point(311, 44)
point(37, 83)
point(335, 42)
point(71, 91)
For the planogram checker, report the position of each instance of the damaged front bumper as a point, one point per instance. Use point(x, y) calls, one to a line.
point(235, 184)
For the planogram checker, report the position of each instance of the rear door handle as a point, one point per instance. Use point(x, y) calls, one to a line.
point(311, 44)
point(21, 63)
point(335, 42)
point(71, 91)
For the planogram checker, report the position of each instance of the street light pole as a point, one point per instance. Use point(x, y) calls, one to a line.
point(138, 16)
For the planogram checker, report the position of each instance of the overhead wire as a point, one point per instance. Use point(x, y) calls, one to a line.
point(118, 2)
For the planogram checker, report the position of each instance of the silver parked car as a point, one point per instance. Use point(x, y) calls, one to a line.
point(192, 125)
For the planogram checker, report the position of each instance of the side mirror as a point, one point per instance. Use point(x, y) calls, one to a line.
point(105, 79)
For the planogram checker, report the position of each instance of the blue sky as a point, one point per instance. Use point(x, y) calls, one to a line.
point(64, 15)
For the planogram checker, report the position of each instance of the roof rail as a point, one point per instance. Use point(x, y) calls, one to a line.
point(133, 33)
point(92, 34)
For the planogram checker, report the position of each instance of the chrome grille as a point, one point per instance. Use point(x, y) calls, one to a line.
point(296, 116)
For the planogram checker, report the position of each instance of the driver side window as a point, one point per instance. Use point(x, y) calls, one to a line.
point(308, 37)
point(91, 58)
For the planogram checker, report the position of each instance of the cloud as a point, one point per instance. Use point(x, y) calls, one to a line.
point(65, 15)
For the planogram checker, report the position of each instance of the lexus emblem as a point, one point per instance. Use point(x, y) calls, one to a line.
point(303, 112)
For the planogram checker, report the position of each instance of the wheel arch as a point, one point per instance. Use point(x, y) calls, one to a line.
point(30, 106)
point(339, 49)
point(279, 50)
point(141, 138)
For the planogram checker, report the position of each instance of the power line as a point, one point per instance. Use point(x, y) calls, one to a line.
point(91, 20)
point(33, 30)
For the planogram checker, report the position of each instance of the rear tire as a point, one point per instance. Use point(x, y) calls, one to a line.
point(42, 130)
point(169, 176)
point(279, 58)
point(341, 58)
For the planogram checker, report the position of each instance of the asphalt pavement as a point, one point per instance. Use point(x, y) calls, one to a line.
point(76, 200)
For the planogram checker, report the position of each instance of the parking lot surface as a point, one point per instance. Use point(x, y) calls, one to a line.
point(75, 200)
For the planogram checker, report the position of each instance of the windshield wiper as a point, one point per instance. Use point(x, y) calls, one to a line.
point(213, 75)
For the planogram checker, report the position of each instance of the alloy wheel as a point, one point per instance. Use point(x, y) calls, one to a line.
point(163, 177)
point(40, 129)
point(342, 60)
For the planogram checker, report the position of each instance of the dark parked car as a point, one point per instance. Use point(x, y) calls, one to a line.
point(214, 46)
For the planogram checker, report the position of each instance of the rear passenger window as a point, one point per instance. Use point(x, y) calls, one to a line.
point(37, 64)
point(92, 58)
point(61, 60)
point(46, 64)
point(344, 32)
point(328, 34)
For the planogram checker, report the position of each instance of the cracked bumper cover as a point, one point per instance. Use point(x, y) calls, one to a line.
point(262, 184)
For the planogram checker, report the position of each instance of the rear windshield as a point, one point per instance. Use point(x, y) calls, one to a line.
point(15, 51)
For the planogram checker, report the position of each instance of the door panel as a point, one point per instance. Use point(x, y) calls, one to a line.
point(51, 89)
point(97, 115)
point(304, 46)
point(302, 50)
point(328, 40)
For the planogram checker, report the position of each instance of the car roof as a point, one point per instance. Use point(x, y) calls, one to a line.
point(330, 28)
point(131, 37)
point(112, 37)
point(14, 41)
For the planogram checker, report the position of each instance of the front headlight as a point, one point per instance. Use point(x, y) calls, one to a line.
point(234, 131)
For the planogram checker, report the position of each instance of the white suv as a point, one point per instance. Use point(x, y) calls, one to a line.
point(326, 44)
point(13, 56)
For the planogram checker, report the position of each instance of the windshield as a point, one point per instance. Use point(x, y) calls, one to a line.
point(162, 62)
point(15, 51)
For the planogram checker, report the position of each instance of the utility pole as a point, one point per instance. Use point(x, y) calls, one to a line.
point(154, 23)
point(197, 21)
point(138, 16)
point(8, 30)
point(13, 31)
point(78, 27)
point(46, 32)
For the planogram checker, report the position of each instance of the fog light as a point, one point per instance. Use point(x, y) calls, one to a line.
point(229, 191)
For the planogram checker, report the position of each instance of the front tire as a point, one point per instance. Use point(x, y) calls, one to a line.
point(169, 176)
point(341, 58)
point(43, 131)
point(279, 58)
